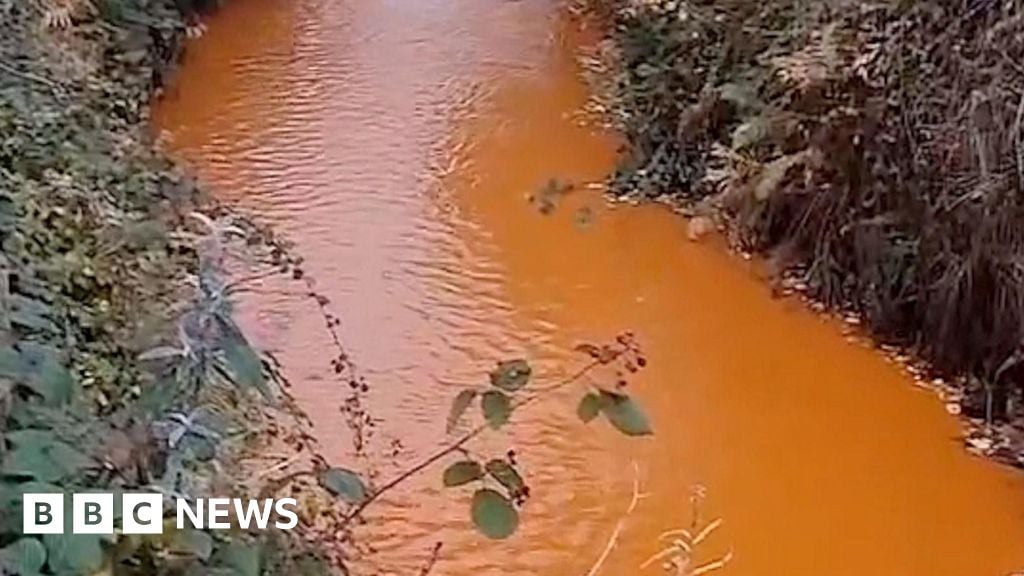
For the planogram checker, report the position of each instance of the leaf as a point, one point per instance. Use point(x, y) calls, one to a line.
point(12, 364)
point(176, 435)
point(53, 382)
point(40, 455)
point(38, 367)
point(589, 407)
point(506, 475)
point(345, 484)
point(774, 173)
point(161, 352)
point(511, 375)
point(12, 499)
point(740, 95)
point(245, 365)
point(493, 514)
point(751, 132)
point(624, 414)
point(201, 448)
point(193, 542)
point(241, 559)
point(31, 314)
point(74, 553)
point(462, 472)
point(242, 361)
point(496, 407)
point(25, 557)
point(459, 406)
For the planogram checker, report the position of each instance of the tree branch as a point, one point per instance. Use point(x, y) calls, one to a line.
point(459, 443)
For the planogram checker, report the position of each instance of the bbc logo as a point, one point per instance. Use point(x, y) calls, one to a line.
point(142, 513)
point(92, 513)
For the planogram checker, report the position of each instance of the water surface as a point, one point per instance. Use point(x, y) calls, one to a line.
point(395, 143)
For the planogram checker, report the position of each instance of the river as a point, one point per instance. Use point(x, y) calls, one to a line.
point(396, 144)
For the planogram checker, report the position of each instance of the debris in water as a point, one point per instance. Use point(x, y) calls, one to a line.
point(698, 227)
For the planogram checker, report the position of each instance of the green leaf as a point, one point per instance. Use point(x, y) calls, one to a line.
point(462, 472)
point(240, 559)
point(53, 382)
point(24, 557)
point(38, 368)
point(193, 542)
point(493, 514)
point(40, 455)
point(242, 361)
point(506, 475)
point(624, 414)
point(12, 498)
point(496, 407)
point(345, 484)
point(459, 406)
point(589, 407)
point(74, 553)
point(12, 364)
point(201, 448)
point(511, 375)
point(31, 314)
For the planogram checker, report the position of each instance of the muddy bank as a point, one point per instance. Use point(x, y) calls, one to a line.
point(121, 367)
point(872, 153)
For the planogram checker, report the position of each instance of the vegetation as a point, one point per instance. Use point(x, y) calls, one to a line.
point(872, 150)
point(121, 366)
point(500, 488)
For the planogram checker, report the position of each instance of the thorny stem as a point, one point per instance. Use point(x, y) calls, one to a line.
point(459, 443)
point(435, 553)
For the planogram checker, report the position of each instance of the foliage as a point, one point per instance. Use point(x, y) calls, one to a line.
point(344, 484)
point(873, 150)
point(500, 486)
point(493, 514)
point(121, 366)
point(499, 489)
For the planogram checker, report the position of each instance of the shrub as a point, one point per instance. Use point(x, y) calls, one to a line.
point(875, 149)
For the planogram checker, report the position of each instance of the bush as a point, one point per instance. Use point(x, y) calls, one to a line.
point(875, 149)
point(120, 365)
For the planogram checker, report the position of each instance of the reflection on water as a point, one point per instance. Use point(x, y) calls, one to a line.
point(395, 143)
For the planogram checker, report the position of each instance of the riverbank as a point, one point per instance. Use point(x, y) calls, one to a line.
point(122, 366)
point(872, 153)
point(403, 172)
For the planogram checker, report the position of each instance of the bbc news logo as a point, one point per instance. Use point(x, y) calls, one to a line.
point(143, 513)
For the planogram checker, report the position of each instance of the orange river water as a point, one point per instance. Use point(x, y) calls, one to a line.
point(395, 142)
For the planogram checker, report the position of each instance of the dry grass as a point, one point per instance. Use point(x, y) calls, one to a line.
point(60, 14)
point(680, 557)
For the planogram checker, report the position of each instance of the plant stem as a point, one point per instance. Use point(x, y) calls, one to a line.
point(459, 443)
point(56, 88)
